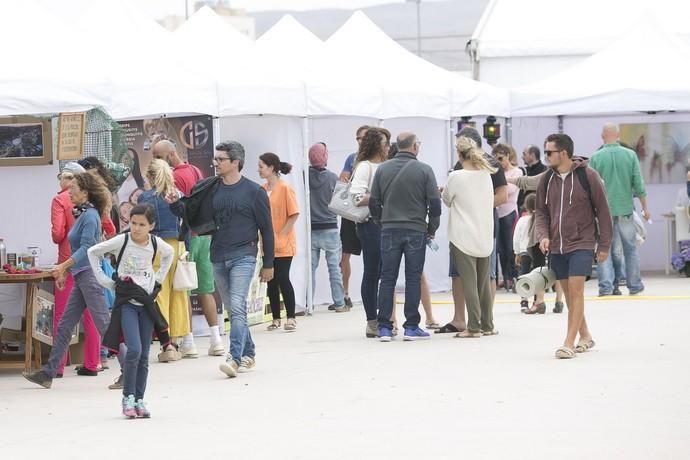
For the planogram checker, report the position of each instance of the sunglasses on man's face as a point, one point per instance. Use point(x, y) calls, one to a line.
point(549, 152)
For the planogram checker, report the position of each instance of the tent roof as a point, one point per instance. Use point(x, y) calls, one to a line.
point(205, 26)
point(561, 28)
point(35, 82)
point(617, 79)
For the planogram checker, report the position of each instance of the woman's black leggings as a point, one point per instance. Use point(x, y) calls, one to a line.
point(280, 284)
point(505, 245)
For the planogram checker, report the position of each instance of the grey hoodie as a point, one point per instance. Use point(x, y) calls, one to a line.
point(321, 186)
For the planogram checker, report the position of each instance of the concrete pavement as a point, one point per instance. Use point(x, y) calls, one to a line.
point(326, 392)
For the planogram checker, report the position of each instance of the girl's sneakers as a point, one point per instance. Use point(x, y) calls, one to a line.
point(129, 407)
point(142, 411)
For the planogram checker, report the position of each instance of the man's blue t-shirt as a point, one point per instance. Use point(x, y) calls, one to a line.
point(349, 163)
point(241, 212)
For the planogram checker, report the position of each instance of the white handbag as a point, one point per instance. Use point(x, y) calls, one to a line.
point(185, 278)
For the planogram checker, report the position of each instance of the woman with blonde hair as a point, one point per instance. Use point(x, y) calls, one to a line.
point(469, 195)
point(173, 304)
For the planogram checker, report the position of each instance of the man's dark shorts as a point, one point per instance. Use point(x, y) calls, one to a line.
point(349, 238)
point(576, 263)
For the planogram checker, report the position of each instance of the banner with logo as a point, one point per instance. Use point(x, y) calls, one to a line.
point(193, 137)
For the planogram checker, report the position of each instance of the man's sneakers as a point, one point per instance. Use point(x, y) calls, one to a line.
point(247, 363)
point(189, 350)
point(416, 334)
point(229, 368)
point(39, 378)
point(169, 355)
point(216, 349)
point(372, 329)
point(129, 407)
point(385, 334)
point(141, 410)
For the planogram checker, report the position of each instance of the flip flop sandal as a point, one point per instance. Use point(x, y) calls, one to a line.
point(433, 326)
point(583, 347)
point(447, 329)
point(468, 335)
point(565, 353)
point(494, 332)
point(273, 326)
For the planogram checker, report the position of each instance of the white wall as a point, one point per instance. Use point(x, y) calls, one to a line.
point(282, 136)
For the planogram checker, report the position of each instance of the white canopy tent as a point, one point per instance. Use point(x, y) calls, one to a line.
point(148, 78)
point(607, 82)
point(516, 43)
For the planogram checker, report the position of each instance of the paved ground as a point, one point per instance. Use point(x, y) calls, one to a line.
point(327, 392)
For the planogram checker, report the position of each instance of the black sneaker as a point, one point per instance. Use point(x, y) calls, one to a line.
point(617, 291)
point(39, 378)
point(87, 372)
point(348, 302)
point(558, 307)
point(524, 305)
point(331, 307)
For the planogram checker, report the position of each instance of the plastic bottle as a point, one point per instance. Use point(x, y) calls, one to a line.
point(433, 245)
point(3, 253)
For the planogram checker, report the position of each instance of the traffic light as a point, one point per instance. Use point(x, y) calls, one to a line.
point(492, 130)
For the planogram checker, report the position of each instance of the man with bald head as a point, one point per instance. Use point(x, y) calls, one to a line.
point(403, 195)
point(186, 176)
point(620, 170)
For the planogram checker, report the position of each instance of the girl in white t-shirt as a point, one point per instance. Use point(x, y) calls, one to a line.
point(136, 276)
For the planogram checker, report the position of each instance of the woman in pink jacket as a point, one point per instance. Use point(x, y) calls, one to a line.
point(62, 219)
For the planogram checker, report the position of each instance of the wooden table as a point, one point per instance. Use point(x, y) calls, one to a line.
point(31, 281)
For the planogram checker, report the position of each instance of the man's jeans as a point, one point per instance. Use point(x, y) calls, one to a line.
point(329, 241)
point(623, 236)
point(395, 243)
point(233, 279)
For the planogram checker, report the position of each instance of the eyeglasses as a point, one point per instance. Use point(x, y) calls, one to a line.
point(500, 158)
point(221, 159)
point(549, 152)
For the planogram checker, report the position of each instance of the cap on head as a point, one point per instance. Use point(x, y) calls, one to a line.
point(318, 155)
point(73, 167)
point(470, 133)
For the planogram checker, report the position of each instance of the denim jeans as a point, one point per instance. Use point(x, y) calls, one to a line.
point(370, 236)
point(623, 237)
point(86, 294)
point(328, 241)
point(233, 279)
point(505, 245)
point(137, 328)
point(395, 243)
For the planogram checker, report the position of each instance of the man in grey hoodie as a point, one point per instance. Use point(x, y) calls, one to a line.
point(324, 224)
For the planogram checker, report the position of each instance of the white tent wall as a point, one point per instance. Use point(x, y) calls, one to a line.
point(338, 133)
point(509, 72)
point(284, 137)
point(526, 131)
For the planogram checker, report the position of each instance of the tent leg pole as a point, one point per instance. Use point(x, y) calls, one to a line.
point(307, 198)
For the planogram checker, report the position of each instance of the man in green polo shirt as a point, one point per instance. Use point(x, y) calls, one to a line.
point(620, 171)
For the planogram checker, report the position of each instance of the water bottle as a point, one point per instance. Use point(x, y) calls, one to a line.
point(432, 244)
point(3, 253)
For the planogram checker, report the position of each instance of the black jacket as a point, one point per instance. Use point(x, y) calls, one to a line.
point(126, 291)
point(197, 208)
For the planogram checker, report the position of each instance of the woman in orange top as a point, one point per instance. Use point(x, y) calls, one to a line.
point(284, 213)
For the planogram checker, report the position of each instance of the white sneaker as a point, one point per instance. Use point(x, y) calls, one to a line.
point(216, 349)
point(229, 368)
point(246, 364)
point(189, 351)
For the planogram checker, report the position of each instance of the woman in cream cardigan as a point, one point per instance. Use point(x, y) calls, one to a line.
point(469, 195)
